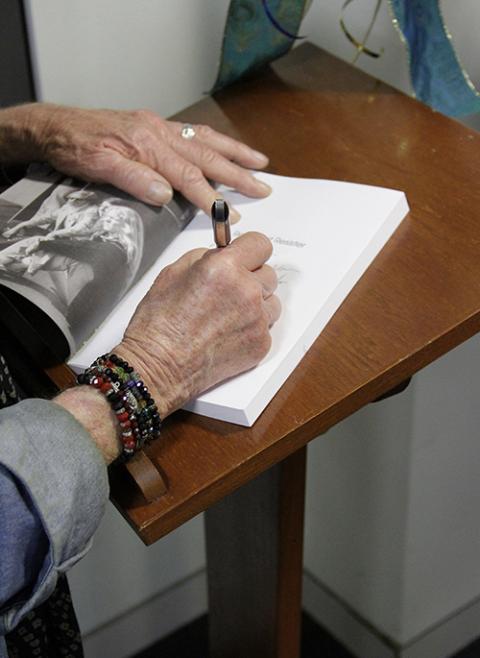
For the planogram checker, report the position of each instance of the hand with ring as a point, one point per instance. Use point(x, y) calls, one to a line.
point(137, 151)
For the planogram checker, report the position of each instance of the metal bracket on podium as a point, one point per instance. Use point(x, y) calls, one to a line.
point(395, 390)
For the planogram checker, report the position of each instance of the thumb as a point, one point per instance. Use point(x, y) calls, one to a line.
point(137, 179)
point(189, 258)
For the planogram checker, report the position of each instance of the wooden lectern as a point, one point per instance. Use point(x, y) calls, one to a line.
point(316, 116)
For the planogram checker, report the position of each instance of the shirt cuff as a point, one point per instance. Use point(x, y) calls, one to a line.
point(63, 471)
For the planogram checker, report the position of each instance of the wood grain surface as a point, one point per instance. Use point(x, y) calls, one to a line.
point(318, 117)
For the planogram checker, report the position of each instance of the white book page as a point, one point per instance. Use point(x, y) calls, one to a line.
point(324, 234)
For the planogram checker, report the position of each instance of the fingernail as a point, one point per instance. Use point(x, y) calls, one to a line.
point(234, 216)
point(261, 157)
point(266, 188)
point(158, 192)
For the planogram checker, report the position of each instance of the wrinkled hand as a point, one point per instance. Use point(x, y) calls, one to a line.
point(145, 155)
point(206, 318)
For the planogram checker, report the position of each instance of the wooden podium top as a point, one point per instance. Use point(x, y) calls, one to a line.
point(316, 116)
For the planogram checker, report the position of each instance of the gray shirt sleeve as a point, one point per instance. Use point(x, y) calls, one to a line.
point(63, 478)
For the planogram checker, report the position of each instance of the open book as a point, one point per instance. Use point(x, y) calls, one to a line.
point(324, 233)
point(69, 252)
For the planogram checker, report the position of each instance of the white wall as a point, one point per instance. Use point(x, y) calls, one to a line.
point(356, 514)
point(123, 54)
point(442, 548)
point(393, 526)
point(393, 491)
point(120, 572)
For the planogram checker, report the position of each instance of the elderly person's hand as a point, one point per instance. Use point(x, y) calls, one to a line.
point(138, 152)
point(206, 318)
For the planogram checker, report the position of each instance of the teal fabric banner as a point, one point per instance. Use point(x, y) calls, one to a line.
point(259, 31)
point(256, 33)
point(437, 76)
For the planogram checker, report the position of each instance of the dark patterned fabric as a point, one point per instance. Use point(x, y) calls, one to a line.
point(8, 392)
point(51, 630)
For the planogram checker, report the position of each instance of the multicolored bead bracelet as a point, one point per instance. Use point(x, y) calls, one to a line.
point(129, 398)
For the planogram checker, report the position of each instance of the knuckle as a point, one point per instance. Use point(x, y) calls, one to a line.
point(210, 157)
point(253, 298)
point(260, 341)
point(277, 306)
point(203, 131)
point(227, 259)
point(191, 175)
point(218, 272)
point(266, 344)
point(149, 120)
point(272, 276)
point(141, 135)
point(261, 241)
point(144, 115)
point(262, 238)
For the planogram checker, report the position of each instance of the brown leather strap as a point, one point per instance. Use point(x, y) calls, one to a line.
point(146, 476)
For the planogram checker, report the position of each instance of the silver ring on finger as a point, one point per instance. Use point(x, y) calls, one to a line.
point(188, 131)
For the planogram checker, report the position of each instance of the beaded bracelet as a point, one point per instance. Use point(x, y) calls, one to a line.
point(129, 398)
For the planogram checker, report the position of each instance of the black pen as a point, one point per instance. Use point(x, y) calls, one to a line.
point(220, 223)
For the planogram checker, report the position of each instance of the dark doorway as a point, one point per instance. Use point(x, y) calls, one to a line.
point(16, 80)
